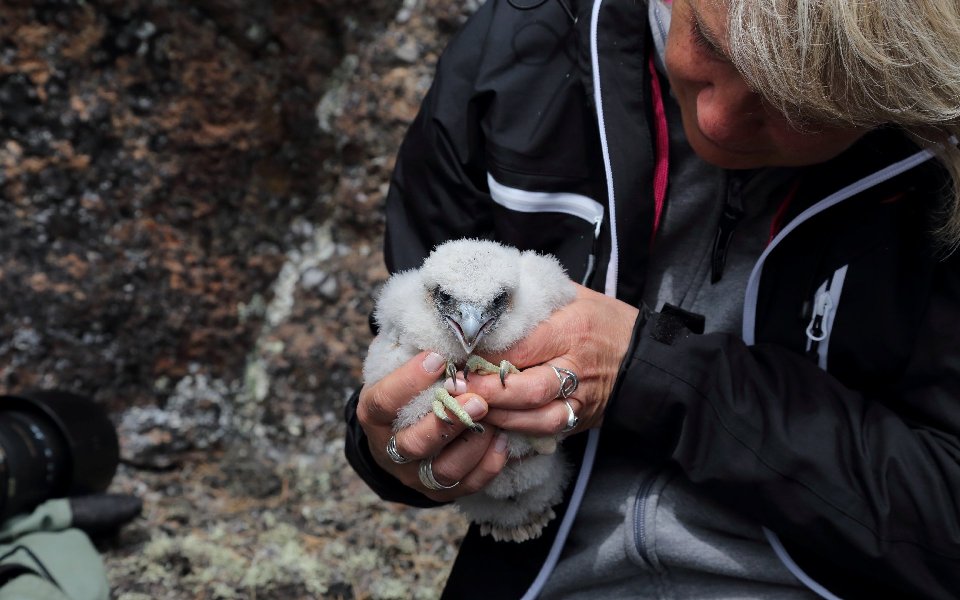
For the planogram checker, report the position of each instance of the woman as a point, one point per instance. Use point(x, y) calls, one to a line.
point(770, 377)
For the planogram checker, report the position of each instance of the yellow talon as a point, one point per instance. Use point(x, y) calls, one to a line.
point(443, 400)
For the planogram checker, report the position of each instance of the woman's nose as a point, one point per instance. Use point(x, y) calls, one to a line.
point(727, 109)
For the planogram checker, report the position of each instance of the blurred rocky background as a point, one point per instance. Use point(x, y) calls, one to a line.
point(190, 233)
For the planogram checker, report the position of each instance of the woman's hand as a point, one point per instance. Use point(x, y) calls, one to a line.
point(589, 336)
point(461, 455)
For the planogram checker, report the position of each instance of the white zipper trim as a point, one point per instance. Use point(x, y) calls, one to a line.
point(582, 207)
point(753, 284)
point(610, 286)
point(826, 303)
point(579, 488)
point(610, 289)
point(794, 568)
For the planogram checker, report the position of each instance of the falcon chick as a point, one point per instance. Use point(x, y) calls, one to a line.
point(477, 296)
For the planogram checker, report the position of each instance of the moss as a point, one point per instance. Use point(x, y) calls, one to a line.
point(255, 309)
point(389, 589)
point(361, 560)
point(256, 381)
point(282, 561)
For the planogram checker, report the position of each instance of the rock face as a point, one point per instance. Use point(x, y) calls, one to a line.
point(190, 233)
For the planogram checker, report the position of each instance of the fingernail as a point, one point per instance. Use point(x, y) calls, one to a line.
point(500, 444)
point(455, 388)
point(433, 362)
point(475, 407)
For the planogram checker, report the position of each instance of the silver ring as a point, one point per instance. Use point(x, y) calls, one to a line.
point(568, 382)
point(393, 453)
point(429, 481)
point(572, 418)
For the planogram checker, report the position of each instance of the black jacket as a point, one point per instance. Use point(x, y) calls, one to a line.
point(839, 433)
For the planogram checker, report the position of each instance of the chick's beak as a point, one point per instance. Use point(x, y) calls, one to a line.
point(468, 321)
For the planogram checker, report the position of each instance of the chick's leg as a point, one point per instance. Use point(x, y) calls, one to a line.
point(477, 364)
point(443, 400)
point(540, 445)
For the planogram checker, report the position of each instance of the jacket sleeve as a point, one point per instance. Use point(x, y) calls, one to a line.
point(437, 192)
point(851, 484)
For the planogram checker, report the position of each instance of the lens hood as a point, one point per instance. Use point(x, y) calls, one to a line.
point(91, 438)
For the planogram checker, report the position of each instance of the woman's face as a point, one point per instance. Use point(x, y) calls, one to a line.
point(726, 123)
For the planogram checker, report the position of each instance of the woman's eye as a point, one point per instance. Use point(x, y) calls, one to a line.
point(701, 41)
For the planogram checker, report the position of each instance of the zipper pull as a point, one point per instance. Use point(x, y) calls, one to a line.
point(594, 249)
point(729, 219)
point(821, 308)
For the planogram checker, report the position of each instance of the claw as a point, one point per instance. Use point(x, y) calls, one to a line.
point(506, 367)
point(452, 372)
point(443, 400)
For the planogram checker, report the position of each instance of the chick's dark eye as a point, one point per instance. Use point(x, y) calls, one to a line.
point(501, 299)
point(442, 296)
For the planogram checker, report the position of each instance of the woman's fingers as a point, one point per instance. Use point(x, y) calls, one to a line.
point(457, 454)
point(378, 407)
point(428, 436)
point(489, 466)
point(473, 462)
point(552, 418)
point(469, 459)
point(528, 389)
point(587, 339)
point(380, 402)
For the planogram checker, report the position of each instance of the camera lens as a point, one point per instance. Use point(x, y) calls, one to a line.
point(34, 462)
point(53, 444)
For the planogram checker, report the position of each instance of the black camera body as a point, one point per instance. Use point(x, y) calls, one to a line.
point(53, 444)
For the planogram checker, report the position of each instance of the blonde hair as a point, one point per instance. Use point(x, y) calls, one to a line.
point(866, 63)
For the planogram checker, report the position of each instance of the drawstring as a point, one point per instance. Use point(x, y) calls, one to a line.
point(661, 149)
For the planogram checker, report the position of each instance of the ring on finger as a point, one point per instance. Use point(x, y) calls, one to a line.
point(572, 419)
point(429, 481)
point(393, 453)
point(568, 382)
